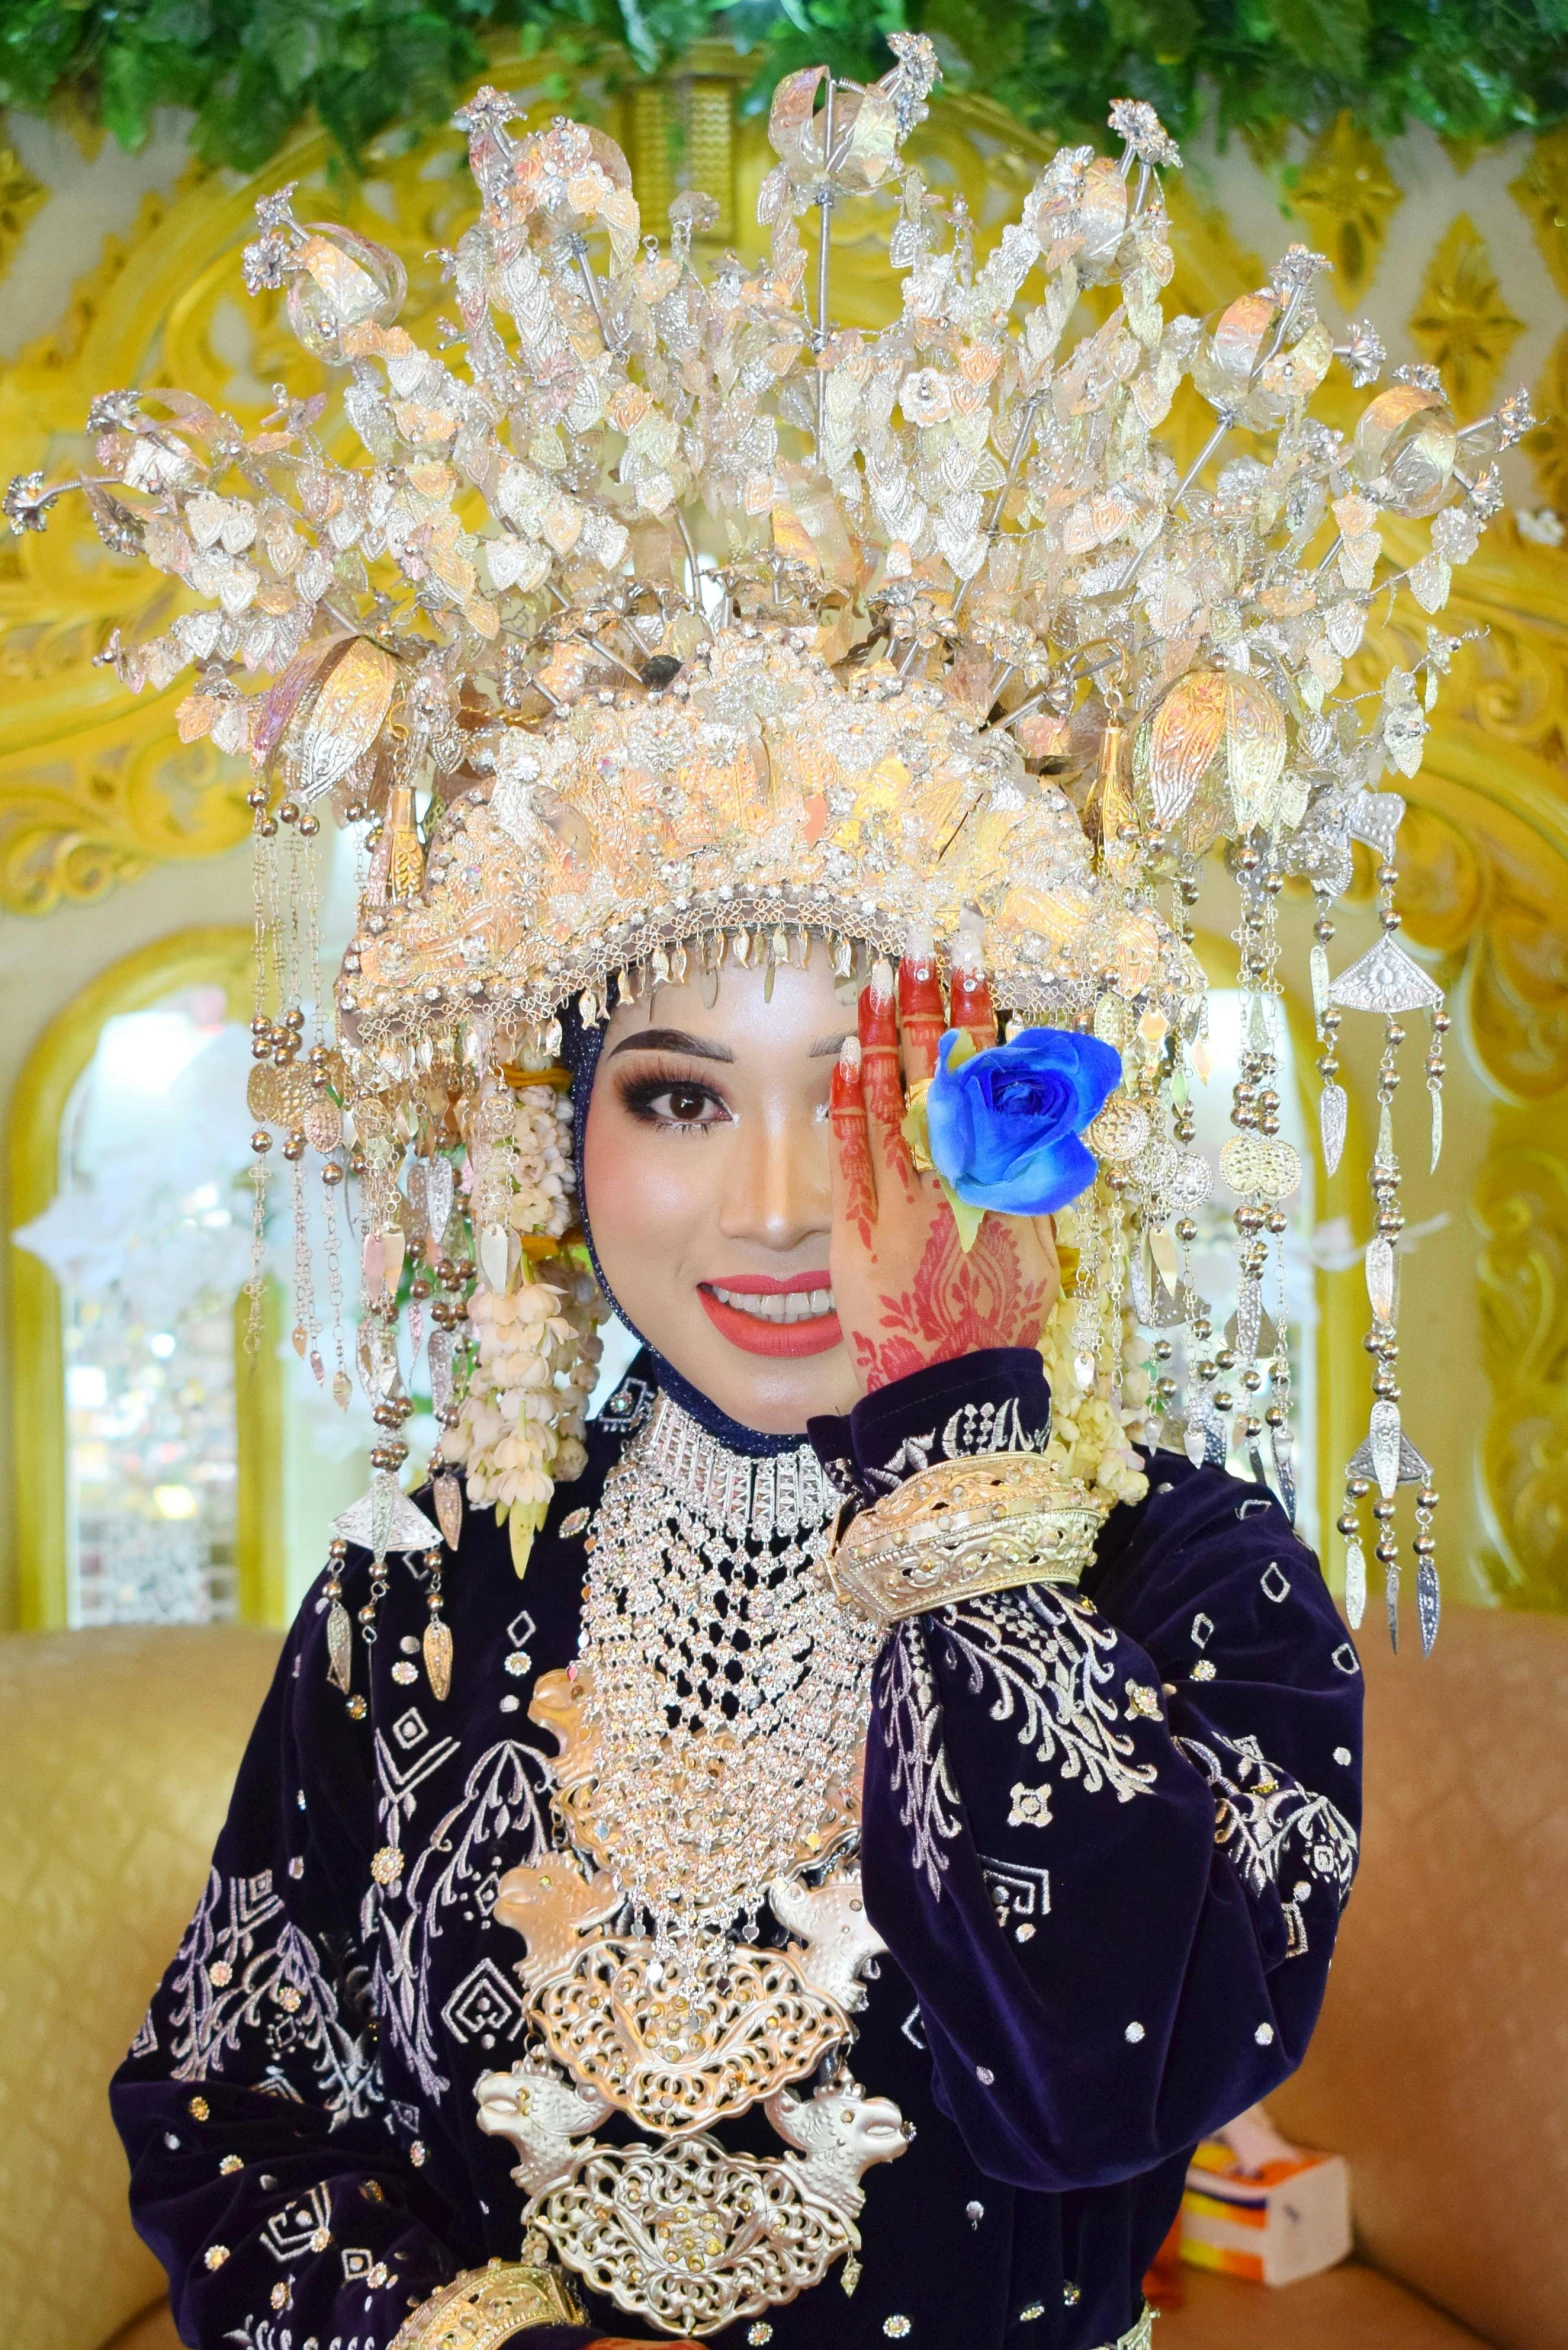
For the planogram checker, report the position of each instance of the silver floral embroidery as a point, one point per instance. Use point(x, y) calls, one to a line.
point(1262, 1817)
point(501, 1806)
point(913, 1455)
point(912, 1733)
point(1049, 1662)
point(986, 1427)
point(260, 2333)
point(973, 1429)
point(245, 1968)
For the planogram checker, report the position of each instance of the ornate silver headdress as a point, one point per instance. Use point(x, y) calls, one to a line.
point(674, 623)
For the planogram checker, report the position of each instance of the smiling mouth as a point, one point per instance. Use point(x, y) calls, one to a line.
point(776, 1305)
point(768, 1317)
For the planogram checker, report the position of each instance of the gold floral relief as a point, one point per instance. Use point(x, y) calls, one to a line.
point(1520, 1209)
point(20, 197)
point(1541, 192)
point(1548, 444)
point(1347, 195)
point(1461, 322)
point(1484, 851)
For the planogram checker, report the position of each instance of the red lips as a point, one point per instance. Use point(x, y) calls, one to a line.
point(752, 1335)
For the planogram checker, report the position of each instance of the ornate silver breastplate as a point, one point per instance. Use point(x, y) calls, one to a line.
point(710, 1743)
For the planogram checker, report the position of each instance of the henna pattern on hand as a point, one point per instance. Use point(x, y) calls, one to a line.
point(852, 1143)
point(957, 1305)
point(860, 1207)
point(896, 1231)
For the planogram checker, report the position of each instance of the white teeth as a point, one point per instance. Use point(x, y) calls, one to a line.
point(788, 1305)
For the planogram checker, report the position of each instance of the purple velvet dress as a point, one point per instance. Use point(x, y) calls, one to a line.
point(1106, 1838)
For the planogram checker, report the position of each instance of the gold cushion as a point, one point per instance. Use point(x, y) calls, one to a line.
point(153, 2330)
point(1349, 2308)
point(1439, 2063)
point(117, 1753)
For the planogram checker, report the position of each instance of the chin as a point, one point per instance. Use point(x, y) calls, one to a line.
point(775, 1394)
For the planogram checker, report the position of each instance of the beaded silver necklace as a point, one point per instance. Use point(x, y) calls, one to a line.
point(729, 1691)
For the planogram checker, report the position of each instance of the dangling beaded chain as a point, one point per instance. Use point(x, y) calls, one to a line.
point(729, 1691)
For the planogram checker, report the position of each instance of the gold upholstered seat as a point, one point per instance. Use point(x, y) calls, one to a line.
point(117, 1752)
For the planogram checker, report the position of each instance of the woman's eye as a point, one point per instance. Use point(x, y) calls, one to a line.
point(686, 1104)
point(665, 1101)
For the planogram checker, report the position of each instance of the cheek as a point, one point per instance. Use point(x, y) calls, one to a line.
point(649, 1196)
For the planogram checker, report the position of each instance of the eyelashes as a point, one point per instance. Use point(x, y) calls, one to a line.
point(673, 1100)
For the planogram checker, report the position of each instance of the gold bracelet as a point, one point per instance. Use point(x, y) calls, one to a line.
point(486, 2306)
point(985, 1523)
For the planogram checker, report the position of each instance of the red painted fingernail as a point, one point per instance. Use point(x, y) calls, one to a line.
point(879, 1014)
point(919, 987)
point(972, 1007)
point(846, 1092)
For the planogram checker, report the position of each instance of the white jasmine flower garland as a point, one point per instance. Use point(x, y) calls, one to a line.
point(534, 1315)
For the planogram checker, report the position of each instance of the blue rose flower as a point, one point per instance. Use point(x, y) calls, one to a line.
point(1004, 1125)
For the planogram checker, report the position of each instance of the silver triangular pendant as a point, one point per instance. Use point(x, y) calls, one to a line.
point(1413, 1470)
point(1384, 979)
point(409, 1528)
point(1429, 1604)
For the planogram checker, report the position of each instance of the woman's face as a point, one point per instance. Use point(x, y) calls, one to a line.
point(708, 1183)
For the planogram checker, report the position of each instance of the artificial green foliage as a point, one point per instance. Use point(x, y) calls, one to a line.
point(1475, 70)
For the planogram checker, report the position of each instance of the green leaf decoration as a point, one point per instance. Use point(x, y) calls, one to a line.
point(250, 70)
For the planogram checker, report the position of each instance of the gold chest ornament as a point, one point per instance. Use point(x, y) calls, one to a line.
point(677, 2229)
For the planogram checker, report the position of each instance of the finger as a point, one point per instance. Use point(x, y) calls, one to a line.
point(884, 1088)
point(885, 1102)
point(922, 1015)
point(854, 1178)
point(972, 1008)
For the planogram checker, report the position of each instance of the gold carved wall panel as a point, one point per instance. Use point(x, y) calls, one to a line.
point(1520, 1210)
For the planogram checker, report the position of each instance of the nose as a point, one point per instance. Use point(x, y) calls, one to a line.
point(778, 1190)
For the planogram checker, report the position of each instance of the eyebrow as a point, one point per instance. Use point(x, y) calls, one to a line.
point(828, 1048)
point(673, 1040)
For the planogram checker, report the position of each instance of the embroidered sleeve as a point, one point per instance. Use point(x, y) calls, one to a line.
point(267, 2173)
point(1108, 1835)
point(994, 1401)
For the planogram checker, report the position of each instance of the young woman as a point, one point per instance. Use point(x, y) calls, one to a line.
point(813, 1975)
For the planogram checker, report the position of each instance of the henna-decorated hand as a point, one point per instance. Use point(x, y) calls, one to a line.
point(907, 1294)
